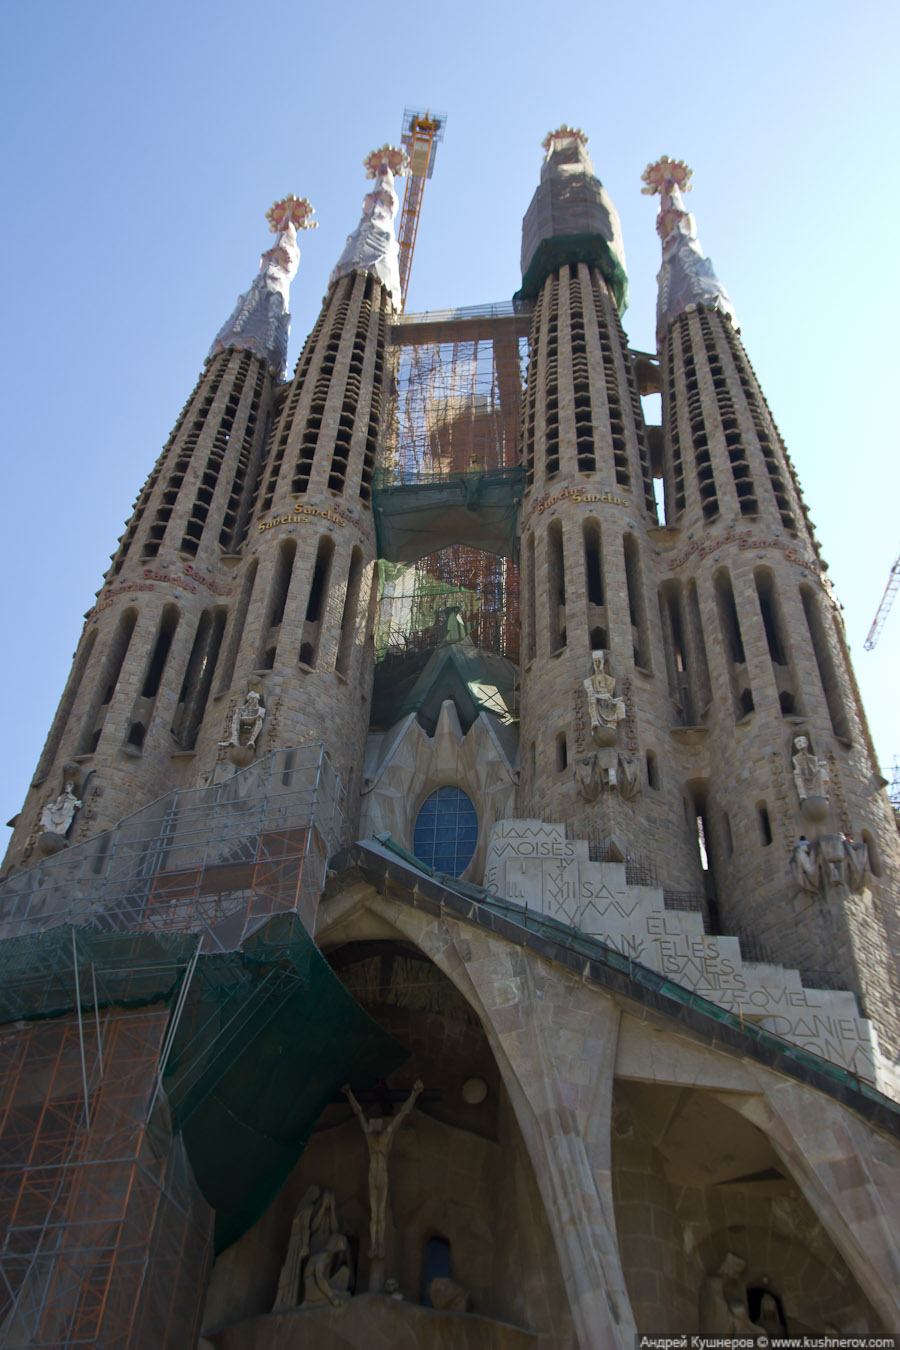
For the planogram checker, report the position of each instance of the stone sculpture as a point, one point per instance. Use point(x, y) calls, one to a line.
point(380, 1137)
point(834, 860)
point(246, 724)
point(57, 816)
point(805, 866)
point(810, 780)
point(628, 777)
point(446, 1295)
point(326, 1276)
point(723, 1300)
point(857, 863)
point(605, 710)
point(588, 777)
point(317, 1252)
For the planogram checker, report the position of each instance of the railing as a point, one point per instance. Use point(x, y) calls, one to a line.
point(501, 309)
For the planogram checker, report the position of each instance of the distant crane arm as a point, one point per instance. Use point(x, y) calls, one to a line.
point(421, 133)
point(884, 608)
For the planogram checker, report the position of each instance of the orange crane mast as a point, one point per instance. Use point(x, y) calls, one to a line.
point(420, 136)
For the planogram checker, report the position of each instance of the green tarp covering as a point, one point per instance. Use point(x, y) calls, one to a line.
point(418, 514)
point(593, 249)
point(267, 1038)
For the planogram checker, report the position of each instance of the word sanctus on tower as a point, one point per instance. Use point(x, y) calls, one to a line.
point(457, 903)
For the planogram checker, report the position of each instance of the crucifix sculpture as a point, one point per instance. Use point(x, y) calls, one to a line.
point(379, 1134)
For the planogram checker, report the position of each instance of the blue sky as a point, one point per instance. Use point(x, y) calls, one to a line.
point(144, 145)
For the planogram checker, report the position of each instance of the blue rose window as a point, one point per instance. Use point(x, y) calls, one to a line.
point(446, 831)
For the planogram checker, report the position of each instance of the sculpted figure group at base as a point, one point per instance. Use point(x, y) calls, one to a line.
point(318, 1256)
point(723, 1304)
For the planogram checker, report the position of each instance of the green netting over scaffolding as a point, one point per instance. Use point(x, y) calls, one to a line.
point(198, 911)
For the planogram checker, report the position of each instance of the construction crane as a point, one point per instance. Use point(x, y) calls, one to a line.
point(420, 136)
point(884, 608)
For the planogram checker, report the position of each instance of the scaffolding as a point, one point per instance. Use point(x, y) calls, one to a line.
point(451, 476)
point(92, 1199)
point(211, 860)
point(150, 980)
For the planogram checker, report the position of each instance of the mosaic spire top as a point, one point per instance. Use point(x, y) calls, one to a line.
point(372, 247)
point(261, 321)
point(687, 276)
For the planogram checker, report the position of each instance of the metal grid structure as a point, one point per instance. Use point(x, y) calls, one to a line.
point(104, 1237)
point(461, 587)
point(456, 400)
point(211, 860)
point(90, 1196)
point(458, 390)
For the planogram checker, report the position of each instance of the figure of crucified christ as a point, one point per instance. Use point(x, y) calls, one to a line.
point(379, 1137)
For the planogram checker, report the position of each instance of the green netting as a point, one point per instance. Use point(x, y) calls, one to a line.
point(420, 513)
point(267, 1037)
point(46, 974)
point(593, 249)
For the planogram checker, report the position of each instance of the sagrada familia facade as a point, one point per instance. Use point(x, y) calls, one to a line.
point(457, 902)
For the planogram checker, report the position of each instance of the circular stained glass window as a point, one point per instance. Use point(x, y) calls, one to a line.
point(446, 831)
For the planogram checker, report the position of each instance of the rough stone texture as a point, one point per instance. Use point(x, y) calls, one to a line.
point(709, 735)
point(618, 1158)
point(560, 1046)
point(405, 765)
point(206, 537)
point(532, 863)
point(373, 1320)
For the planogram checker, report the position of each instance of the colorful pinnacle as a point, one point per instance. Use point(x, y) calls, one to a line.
point(386, 157)
point(665, 174)
point(563, 133)
point(291, 210)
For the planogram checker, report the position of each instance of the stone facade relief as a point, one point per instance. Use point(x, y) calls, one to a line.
point(405, 764)
point(608, 770)
point(532, 863)
point(723, 1300)
point(830, 863)
point(628, 777)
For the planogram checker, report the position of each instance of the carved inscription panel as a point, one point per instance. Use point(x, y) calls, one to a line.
point(532, 863)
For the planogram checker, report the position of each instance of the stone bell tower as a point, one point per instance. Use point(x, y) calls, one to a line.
point(302, 636)
point(155, 652)
point(770, 735)
point(237, 614)
point(596, 710)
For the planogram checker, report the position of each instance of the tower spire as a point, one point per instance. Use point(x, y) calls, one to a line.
point(571, 219)
point(687, 276)
point(260, 321)
point(372, 247)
